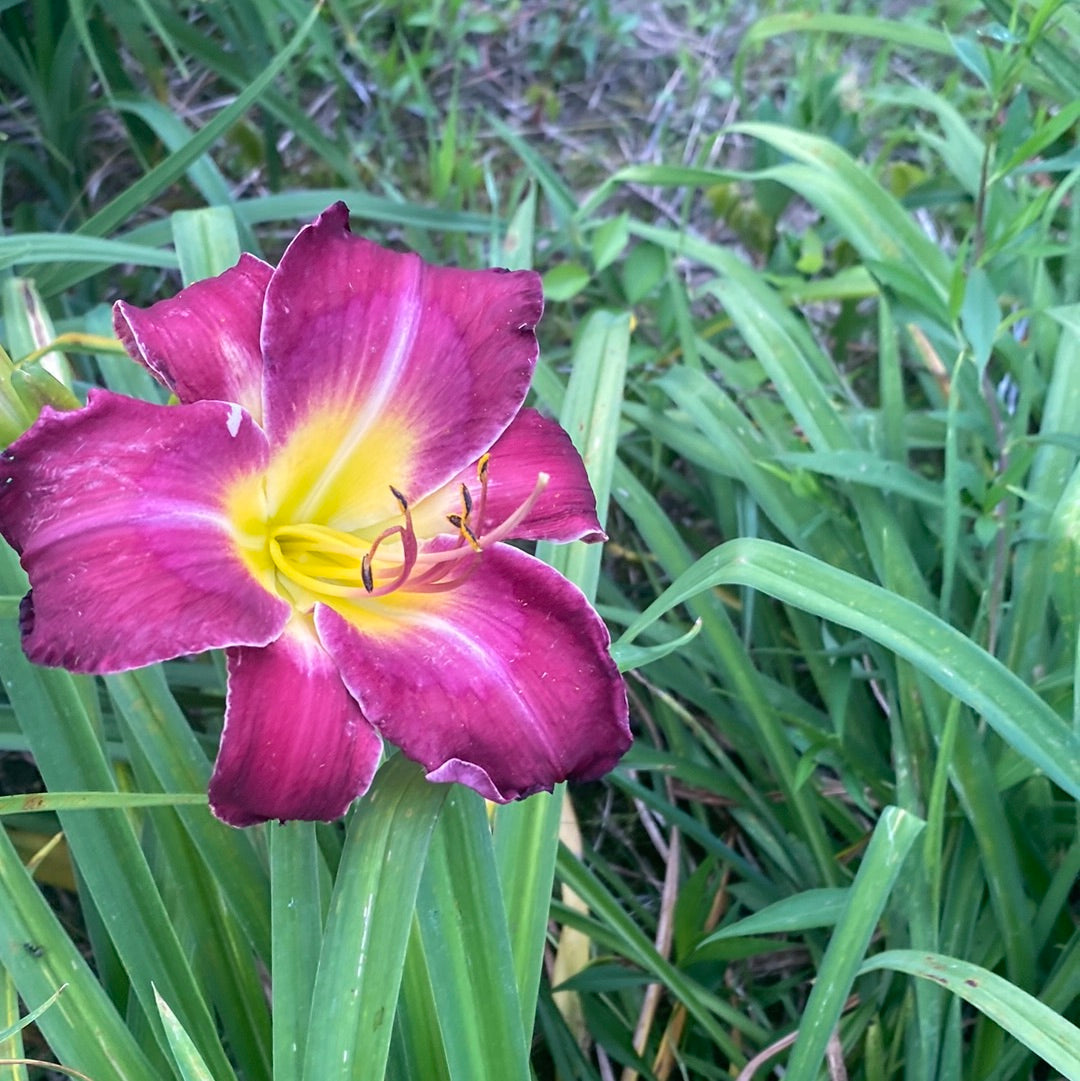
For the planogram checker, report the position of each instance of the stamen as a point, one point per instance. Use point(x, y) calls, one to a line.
point(461, 521)
point(319, 537)
point(409, 550)
point(433, 579)
point(323, 562)
point(326, 562)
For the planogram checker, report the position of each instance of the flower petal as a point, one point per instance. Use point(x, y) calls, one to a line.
point(564, 511)
point(504, 684)
point(373, 356)
point(118, 512)
point(203, 343)
point(295, 744)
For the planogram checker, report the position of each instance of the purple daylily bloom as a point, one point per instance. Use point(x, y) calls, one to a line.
point(327, 503)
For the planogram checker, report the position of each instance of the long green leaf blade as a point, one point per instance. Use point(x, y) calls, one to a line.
point(463, 928)
point(367, 928)
point(892, 839)
point(297, 915)
point(52, 707)
point(82, 1026)
point(1033, 1023)
point(185, 1054)
point(948, 657)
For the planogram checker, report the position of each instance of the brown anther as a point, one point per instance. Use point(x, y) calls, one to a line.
point(402, 501)
point(482, 467)
point(466, 499)
point(365, 573)
point(462, 527)
point(470, 536)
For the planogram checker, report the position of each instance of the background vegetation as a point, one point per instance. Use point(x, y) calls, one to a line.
point(812, 280)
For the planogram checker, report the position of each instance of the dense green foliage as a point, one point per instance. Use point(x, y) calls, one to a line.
point(813, 289)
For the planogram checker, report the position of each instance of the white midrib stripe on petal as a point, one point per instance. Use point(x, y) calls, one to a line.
point(497, 674)
point(166, 512)
point(406, 324)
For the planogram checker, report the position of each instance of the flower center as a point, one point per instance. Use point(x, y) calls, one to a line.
point(316, 562)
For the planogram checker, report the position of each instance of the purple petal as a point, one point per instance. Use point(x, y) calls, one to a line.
point(203, 344)
point(402, 370)
point(504, 684)
point(118, 511)
point(564, 511)
point(295, 743)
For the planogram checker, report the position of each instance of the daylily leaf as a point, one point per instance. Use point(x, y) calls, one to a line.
point(82, 1024)
point(463, 927)
point(32, 1016)
point(185, 1053)
point(628, 657)
point(1020, 716)
point(527, 834)
point(1032, 1022)
point(359, 974)
point(206, 241)
point(890, 843)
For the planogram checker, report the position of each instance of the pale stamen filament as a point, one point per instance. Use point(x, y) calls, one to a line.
point(501, 531)
point(508, 525)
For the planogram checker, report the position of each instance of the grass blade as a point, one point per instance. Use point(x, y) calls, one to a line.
point(82, 1026)
point(1034, 1024)
point(367, 927)
point(893, 837)
point(177, 163)
point(186, 1055)
point(466, 942)
point(948, 657)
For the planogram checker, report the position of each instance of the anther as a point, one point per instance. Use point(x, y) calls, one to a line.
point(402, 501)
point(466, 500)
point(465, 530)
point(365, 573)
point(482, 474)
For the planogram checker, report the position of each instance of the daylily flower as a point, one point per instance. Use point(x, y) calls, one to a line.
point(329, 502)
